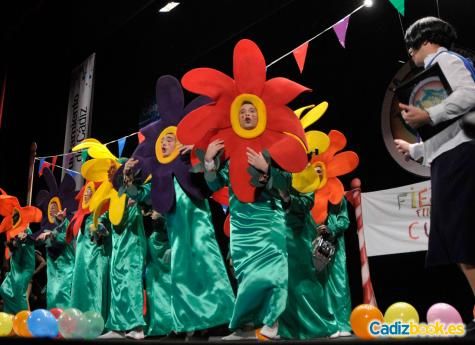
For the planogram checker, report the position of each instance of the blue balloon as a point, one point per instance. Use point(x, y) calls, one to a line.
point(42, 323)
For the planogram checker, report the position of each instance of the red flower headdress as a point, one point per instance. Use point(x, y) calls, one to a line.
point(278, 129)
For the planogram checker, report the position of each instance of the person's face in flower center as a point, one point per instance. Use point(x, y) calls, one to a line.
point(53, 209)
point(248, 116)
point(168, 144)
point(87, 195)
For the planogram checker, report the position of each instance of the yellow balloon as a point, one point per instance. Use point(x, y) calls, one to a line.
point(6, 324)
point(401, 311)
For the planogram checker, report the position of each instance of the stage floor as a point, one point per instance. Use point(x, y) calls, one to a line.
point(217, 340)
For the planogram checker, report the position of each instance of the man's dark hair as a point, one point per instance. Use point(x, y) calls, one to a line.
point(431, 29)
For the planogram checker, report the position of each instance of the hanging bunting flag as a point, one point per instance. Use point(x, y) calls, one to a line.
point(141, 137)
point(43, 164)
point(399, 5)
point(40, 166)
point(53, 162)
point(121, 144)
point(340, 30)
point(300, 53)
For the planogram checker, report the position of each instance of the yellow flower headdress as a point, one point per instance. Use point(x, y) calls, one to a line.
point(98, 169)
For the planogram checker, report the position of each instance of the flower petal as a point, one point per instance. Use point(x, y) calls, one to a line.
point(7, 204)
point(42, 198)
point(102, 193)
point(31, 214)
point(196, 125)
point(314, 114)
point(116, 207)
point(317, 140)
point(163, 192)
point(289, 154)
point(6, 224)
point(96, 169)
point(281, 91)
point(153, 130)
point(282, 119)
point(249, 67)
point(337, 142)
point(208, 82)
point(170, 99)
point(67, 186)
point(342, 163)
point(320, 208)
point(51, 181)
point(306, 181)
point(336, 190)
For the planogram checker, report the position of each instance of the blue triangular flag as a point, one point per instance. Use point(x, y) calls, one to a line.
point(42, 162)
point(121, 143)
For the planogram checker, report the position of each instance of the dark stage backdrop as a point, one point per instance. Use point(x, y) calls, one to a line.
point(134, 51)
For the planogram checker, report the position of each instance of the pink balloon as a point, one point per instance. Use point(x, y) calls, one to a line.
point(443, 312)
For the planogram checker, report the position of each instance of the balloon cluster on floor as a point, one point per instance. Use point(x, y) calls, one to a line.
point(54, 323)
point(364, 314)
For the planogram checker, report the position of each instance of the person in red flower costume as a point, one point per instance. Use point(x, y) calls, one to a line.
point(249, 134)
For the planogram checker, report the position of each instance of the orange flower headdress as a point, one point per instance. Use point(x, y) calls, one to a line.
point(16, 218)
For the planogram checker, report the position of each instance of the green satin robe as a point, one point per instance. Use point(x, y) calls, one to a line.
point(127, 266)
point(15, 284)
point(338, 285)
point(259, 254)
point(309, 313)
point(201, 293)
point(59, 268)
point(90, 287)
point(158, 282)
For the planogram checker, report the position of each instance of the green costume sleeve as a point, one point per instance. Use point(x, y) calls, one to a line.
point(301, 202)
point(279, 179)
point(104, 220)
point(338, 220)
point(217, 179)
point(58, 235)
point(140, 193)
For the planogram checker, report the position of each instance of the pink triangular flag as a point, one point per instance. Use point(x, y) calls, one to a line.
point(340, 30)
point(300, 53)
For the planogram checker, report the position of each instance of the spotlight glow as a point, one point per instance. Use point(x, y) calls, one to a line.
point(169, 6)
point(368, 3)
